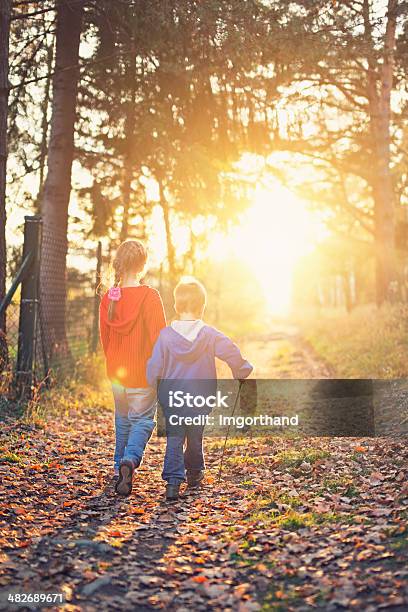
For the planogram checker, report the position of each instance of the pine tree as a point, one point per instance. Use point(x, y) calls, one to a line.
point(172, 104)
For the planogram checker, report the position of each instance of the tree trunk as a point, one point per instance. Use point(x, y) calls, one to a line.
point(5, 9)
point(386, 269)
point(57, 187)
point(189, 259)
point(129, 141)
point(384, 196)
point(347, 292)
point(44, 125)
point(171, 256)
point(379, 96)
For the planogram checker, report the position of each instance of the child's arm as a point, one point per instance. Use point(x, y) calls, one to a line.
point(154, 316)
point(227, 351)
point(103, 326)
point(154, 368)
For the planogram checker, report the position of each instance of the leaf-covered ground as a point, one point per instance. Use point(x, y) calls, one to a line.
point(317, 524)
point(298, 524)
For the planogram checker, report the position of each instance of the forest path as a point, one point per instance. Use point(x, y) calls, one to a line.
point(309, 524)
point(281, 354)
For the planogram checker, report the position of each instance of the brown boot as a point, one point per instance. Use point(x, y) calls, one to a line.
point(124, 483)
point(194, 479)
point(172, 492)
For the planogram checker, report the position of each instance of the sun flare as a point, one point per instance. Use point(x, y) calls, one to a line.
point(273, 235)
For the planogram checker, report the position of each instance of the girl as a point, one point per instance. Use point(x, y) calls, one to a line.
point(131, 317)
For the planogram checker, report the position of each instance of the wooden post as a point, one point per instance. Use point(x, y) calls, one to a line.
point(29, 307)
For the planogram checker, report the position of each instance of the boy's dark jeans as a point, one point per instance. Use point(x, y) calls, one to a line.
point(177, 460)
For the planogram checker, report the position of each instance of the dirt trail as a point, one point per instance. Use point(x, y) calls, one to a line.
point(313, 524)
point(281, 354)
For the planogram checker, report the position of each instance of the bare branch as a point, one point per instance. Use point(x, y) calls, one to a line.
point(83, 66)
point(33, 14)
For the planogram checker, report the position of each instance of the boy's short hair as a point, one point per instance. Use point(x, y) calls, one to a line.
point(190, 296)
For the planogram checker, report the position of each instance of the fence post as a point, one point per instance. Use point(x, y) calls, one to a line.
point(95, 325)
point(29, 306)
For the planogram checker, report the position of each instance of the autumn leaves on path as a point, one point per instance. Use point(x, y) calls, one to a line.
point(293, 525)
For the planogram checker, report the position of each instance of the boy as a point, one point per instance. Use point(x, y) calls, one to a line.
point(185, 351)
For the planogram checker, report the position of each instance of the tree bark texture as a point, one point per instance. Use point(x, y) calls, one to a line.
point(5, 10)
point(57, 186)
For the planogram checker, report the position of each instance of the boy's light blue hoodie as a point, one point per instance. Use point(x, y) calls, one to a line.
point(177, 357)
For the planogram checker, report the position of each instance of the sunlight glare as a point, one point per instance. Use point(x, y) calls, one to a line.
point(274, 233)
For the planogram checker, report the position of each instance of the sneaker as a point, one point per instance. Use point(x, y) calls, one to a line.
point(124, 483)
point(172, 492)
point(194, 478)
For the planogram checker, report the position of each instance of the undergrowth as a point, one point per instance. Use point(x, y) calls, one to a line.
point(86, 387)
point(368, 342)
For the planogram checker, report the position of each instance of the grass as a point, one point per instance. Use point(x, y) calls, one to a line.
point(398, 536)
point(290, 459)
point(245, 460)
point(279, 509)
point(286, 596)
point(334, 484)
point(292, 519)
point(9, 457)
point(293, 458)
point(287, 434)
point(343, 485)
point(284, 510)
point(231, 443)
point(400, 543)
point(369, 342)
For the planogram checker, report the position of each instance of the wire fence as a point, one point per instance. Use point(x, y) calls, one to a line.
point(11, 340)
point(68, 314)
point(50, 327)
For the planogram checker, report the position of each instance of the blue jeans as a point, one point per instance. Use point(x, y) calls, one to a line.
point(135, 410)
point(177, 460)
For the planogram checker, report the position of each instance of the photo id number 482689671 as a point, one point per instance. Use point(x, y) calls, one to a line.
point(21, 599)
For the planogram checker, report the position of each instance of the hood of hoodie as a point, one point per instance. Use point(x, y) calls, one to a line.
point(187, 350)
point(127, 309)
point(188, 329)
